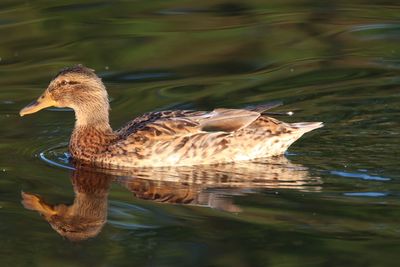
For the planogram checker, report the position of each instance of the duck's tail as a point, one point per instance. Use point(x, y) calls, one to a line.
point(307, 126)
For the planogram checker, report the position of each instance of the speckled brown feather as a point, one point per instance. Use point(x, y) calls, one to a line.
point(178, 138)
point(166, 138)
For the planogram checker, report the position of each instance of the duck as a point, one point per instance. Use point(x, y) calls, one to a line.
point(162, 138)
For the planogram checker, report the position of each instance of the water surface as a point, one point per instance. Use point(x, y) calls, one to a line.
point(332, 201)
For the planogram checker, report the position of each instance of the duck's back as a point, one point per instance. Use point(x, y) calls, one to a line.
point(179, 138)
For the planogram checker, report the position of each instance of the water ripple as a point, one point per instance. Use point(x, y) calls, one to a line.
point(57, 156)
point(362, 176)
point(366, 194)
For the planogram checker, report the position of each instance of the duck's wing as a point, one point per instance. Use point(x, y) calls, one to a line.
point(151, 117)
point(227, 120)
point(169, 124)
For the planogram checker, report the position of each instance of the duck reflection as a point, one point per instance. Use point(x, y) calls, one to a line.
point(208, 185)
point(86, 216)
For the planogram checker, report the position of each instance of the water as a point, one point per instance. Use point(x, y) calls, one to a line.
point(334, 199)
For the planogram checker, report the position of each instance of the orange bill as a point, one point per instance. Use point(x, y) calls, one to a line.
point(42, 102)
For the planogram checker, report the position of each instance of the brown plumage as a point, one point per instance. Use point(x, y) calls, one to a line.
point(166, 138)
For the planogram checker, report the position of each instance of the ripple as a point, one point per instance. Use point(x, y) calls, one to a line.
point(366, 194)
point(362, 176)
point(136, 76)
point(129, 216)
point(57, 156)
point(77, 7)
point(374, 26)
point(377, 31)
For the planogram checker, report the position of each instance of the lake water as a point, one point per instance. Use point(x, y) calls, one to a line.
point(333, 200)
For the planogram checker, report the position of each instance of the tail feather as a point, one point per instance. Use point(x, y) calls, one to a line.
point(264, 107)
point(307, 126)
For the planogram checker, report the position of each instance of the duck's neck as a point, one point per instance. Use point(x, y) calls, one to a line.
point(92, 133)
point(95, 114)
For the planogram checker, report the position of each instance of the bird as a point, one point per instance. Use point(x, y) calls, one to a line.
point(162, 138)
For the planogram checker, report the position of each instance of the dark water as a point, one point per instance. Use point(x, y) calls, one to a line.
point(334, 199)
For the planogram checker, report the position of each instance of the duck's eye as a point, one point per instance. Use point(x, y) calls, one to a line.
point(64, 82)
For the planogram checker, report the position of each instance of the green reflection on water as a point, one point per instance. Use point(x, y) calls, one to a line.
point(336, 62)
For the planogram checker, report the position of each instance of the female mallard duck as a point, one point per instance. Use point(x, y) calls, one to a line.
point(165, 138)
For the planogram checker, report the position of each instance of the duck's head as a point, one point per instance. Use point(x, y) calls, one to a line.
point(78, 88)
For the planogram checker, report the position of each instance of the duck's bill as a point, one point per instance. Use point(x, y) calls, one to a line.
point(39, 104)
